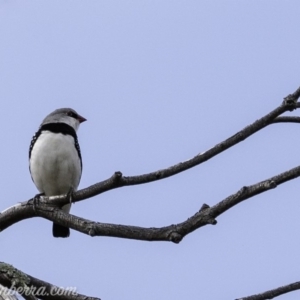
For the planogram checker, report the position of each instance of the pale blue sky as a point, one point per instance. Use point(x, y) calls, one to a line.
point(159, 82)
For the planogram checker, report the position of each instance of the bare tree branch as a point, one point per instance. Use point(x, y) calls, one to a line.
point(174, 233)
point(32, 288)
point(274, 293)
point(118, 180)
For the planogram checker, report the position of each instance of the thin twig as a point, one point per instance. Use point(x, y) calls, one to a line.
point(275, 292)
point(286, 120)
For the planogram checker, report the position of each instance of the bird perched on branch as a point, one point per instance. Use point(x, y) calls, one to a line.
point(55, 159)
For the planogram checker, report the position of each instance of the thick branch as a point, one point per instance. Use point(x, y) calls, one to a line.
point(274, 293)
point(33, 288)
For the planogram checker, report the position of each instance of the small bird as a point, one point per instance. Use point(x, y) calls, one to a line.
point(55, 160)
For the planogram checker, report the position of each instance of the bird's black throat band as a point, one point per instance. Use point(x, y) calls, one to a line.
point(59, 128)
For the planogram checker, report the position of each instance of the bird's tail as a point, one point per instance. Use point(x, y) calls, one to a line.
point(60, 231)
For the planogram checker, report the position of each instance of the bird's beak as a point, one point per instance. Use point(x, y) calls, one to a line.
point(81, 119)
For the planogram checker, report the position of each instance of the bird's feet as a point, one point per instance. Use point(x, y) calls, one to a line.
point(70, 195)
point(36, 200)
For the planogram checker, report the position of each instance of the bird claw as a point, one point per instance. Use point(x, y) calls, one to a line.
point(70, 195)
point(36, 200)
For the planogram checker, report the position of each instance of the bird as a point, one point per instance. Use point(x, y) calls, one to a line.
point(55, 162)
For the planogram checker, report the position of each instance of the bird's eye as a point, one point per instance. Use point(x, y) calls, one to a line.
point(72, 114)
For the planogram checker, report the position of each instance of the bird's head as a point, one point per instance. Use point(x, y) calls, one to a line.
point(65, 115)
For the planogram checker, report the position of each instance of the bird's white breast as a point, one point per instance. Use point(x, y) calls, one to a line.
point(54, 163)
